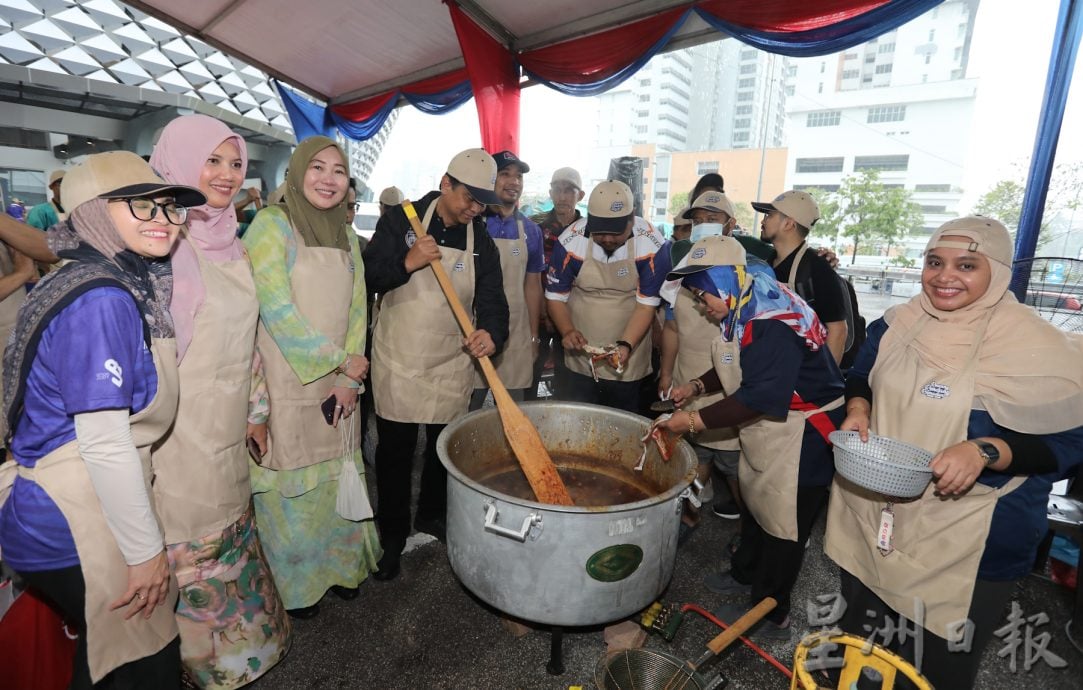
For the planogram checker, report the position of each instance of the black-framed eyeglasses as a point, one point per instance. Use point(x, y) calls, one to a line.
point(147, 209)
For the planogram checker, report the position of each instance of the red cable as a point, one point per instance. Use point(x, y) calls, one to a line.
point(751, 645)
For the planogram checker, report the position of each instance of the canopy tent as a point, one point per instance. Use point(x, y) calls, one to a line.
point(435, 54)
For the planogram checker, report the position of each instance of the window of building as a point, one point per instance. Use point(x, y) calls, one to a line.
point(886, 48)
point(742, 123)
point(645, 98)
point(644, 82)
point(932, 188)
point(704, 167)
point(820, 87)
point(740, 137)
point(849, 56)
point(894, 162)
point(826, 118)
point(934, 209)
point(642, 113)
point(748, 54)
point(883, 69)
point(867, 79)
point(748, 69)
point(746, 83)
point(791, 71)
point(790, 90)
point(887, 113)
point(958, 54)
point(20, 138)
point(957, 74)
point(823, 66)
point(742, 110)
point(851, 74)
point(816, 187)
point(932, 35)
point(744, 96)
point(816, 165)
point(641, 129)
point(869, 59)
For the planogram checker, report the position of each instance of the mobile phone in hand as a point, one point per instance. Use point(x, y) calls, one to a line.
point(254, 452)
point(328, 408)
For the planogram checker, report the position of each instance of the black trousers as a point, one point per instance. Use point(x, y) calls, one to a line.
point(66, 589)
point(622, 395)
point(394, 468)
point(771, 565)
point(550, 344)
point(866, 612)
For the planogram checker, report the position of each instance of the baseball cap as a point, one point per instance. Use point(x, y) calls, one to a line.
point(507, 158)
point(120, 175)
point(391, 196)
point(797, 205)
point(987, 236)
point(711, 201)
point(716, 250)
point(609, 208)
point(682, 217)
point(569, 175)
point(476, 169)
point(54, 176)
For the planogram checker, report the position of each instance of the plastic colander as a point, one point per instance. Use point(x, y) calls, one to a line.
point(883, 465)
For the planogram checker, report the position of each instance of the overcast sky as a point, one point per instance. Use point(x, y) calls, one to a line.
point(1009, 54)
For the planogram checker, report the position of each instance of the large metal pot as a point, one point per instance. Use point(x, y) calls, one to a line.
point(563, 565)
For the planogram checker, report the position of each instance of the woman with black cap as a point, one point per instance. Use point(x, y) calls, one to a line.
point(90, 384)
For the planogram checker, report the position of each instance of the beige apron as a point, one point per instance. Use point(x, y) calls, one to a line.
point(321, 284)
point(201, 483)
point(696, 335)
point(770, 452)
point(420, 372)
point(9, 312)
point(111, 640)
point(515, 363)
point(937, 544)
point(602, 299)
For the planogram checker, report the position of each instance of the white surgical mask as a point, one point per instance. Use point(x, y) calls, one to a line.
point(707, 230)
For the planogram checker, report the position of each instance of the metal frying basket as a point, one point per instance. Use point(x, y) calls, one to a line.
point(884, 465)
point(644, 669)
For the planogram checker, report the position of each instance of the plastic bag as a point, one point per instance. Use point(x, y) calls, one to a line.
point(352, 502)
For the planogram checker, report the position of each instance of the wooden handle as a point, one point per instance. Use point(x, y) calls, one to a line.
point(523, 438)
point(741, 625)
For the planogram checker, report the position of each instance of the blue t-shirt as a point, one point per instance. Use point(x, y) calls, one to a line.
point(1019, 519)
point(501, 228)
point(91, 356)
point(776, 365)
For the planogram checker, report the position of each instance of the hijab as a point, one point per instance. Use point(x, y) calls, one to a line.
point(318, 227)
point(1028, 373)
point(98, 258)
point(749, 287)
point(179, 156)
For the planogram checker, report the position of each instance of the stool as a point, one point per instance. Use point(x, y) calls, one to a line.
point(857, 654)
point(1065, 515)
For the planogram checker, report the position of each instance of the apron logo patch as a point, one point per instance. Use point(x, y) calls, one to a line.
point(515, 251)
point(460, 266)
point(411, 237)
point(936, 391)
point(726, 358)
point(699, 253)
point(622, 271)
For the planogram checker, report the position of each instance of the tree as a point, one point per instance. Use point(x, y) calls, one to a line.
point(677, 203)
point(1005, 200)
point(863, 209)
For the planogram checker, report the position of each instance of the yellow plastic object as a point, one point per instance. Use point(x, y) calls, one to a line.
point(858, 653)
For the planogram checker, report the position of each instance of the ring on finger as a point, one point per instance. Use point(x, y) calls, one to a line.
point(141, 596)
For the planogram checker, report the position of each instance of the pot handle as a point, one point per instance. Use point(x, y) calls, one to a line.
point(491, 514)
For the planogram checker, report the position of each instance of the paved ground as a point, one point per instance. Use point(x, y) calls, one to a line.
point(424, 630)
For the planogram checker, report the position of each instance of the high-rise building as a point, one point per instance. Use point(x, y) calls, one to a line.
point(364, 154)
point(900, 104)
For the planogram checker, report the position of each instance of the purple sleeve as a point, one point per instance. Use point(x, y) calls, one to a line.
point(563, 269)
point(652, 271)
point(535, 251)
point(98, 365)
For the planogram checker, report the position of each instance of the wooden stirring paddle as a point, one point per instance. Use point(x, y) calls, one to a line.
point(523, 438)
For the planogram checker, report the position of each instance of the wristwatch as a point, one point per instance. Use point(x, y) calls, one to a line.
point(988, 451)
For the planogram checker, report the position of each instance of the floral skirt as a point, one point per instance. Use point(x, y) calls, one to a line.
point(233, 626)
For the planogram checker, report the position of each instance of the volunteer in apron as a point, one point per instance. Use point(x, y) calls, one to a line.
point(522, 263)
point(421, 368)
point(90, 383)
point(202, 489)
point(966, 372)
point(311, 505)
point(16, 270)
point(602, 291)
point(784, 392)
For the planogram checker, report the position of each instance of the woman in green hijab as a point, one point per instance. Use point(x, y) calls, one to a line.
point(311, 505)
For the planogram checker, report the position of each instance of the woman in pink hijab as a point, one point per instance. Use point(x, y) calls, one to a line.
point(232, 622)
